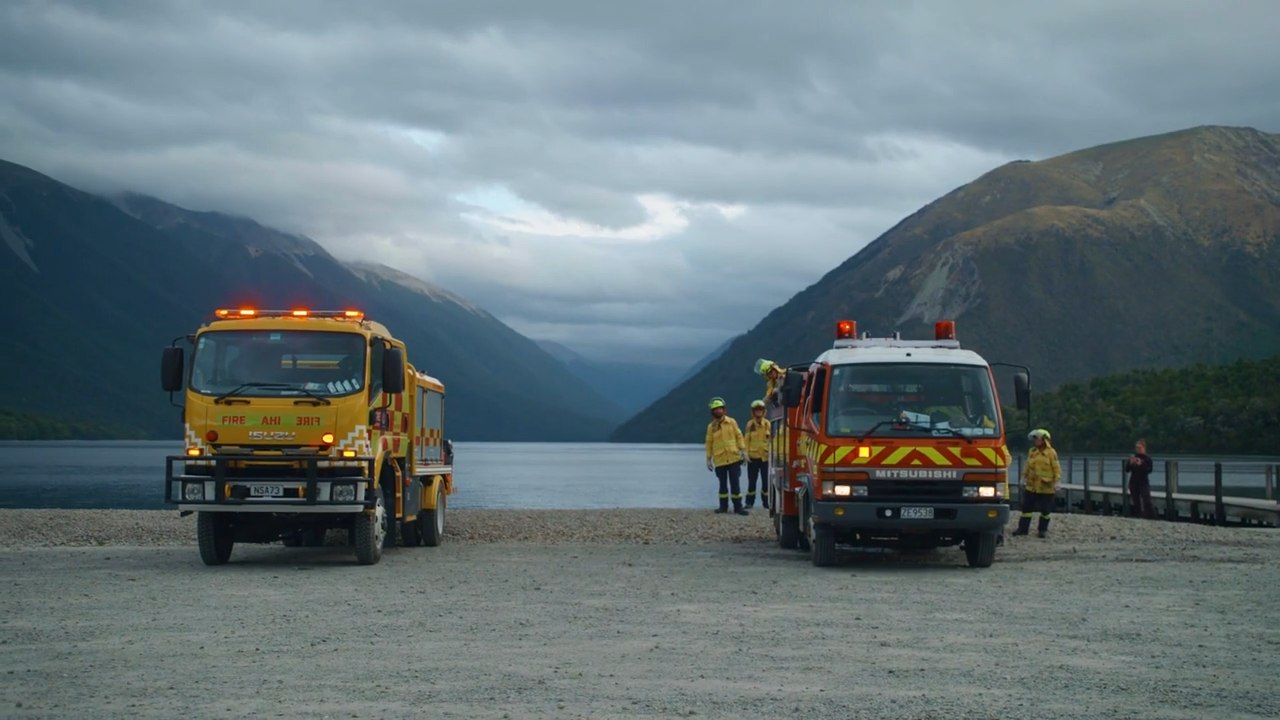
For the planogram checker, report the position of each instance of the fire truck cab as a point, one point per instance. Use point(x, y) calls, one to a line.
point(298, 422)
point(892, 443)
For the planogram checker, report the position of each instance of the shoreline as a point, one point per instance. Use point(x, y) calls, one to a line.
point(35, 528)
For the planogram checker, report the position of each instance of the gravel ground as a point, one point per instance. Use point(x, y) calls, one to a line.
point(611, 614)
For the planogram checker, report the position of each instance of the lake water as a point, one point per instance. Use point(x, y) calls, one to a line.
point(128, 475)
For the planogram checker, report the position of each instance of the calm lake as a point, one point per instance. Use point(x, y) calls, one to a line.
point(128, 475)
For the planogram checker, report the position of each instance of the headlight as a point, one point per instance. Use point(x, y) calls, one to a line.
point(344, 493)
point(843, 490)
point(983, 491)
point(193, 491)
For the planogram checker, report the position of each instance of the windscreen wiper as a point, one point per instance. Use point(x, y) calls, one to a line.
point(953, 431)
point(223, 398)
point(882, 423)
point(917, 426)
point(314, 397)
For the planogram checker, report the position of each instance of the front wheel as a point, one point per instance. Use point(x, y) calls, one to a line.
point(431, 522)
point(822, 550)
point(980, 549)
point(370, 532)
point(213, 534)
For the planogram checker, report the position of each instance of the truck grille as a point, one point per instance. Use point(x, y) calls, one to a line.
point(911, 490)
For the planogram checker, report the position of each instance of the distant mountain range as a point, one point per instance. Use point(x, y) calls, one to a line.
point(94, 287)
point(1154, 252)
point(631, 386)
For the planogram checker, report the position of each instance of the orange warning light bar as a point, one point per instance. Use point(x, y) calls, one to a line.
point(944, 330)
point(846, 329)
point(298, 313)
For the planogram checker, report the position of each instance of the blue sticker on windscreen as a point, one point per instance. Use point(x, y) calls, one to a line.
point(275, 336)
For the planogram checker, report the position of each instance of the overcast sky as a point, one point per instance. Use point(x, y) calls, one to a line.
point(633, 179)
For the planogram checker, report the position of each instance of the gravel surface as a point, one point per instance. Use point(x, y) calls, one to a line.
point(152, 528)
point(577, 614)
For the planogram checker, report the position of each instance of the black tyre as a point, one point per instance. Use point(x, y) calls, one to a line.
point(213, 534)
point(980, 549)
point(389, 503)
point(410, 530)
point(788, 532)
point(370, 532)
point(823, 546)
point(431, 522)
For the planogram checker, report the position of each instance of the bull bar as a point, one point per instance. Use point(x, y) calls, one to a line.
point(308, 477)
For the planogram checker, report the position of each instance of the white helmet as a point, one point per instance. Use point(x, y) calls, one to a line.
point(1038, 432)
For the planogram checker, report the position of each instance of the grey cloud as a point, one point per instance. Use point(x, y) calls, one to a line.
point(826, 121)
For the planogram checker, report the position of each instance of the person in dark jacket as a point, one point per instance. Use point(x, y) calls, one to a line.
point(1140, 482)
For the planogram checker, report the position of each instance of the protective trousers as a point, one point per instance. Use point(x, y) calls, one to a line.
point(760, 469)
point(1032, 502)
point(730, 477)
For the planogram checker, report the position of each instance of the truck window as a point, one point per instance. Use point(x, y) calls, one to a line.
point(286, 361)
point(813, 400)
point(919, 398)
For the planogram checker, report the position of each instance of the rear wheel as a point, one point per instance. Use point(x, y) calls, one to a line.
point(788, 532)
point(410, 530)
point(213, 534)
point(980, 549)
point(431, 522)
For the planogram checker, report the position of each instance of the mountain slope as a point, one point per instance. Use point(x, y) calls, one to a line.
point(91, 293)
point(706, 360)
point(630, 386)
point(1159, 251)
point(497, 379)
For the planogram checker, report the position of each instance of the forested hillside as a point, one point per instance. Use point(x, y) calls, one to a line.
point(1211, 409)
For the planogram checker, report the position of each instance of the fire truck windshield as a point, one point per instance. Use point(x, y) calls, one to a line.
point(911, 399)
point(278, 363)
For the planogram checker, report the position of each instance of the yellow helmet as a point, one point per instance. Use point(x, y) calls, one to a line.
point(757, 404)
point(763, 366)
point(716, 403)
point(1038, 432)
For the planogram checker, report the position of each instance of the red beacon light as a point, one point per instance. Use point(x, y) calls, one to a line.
point(846, 330)
point(944, 330)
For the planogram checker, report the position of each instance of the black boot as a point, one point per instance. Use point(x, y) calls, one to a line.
point(751, 501)
point(1043, 529)
point(1024, 525)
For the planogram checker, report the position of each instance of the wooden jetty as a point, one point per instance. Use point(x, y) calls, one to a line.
point(1090, 493)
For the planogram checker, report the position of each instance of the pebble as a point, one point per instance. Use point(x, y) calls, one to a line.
point(158, 528)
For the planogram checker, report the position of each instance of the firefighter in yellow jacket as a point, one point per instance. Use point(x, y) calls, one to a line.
point(1040, 477)
point(726, 451)
point(773, 373)
point(757, 455)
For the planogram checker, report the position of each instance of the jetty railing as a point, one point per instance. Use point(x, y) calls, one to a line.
point(1217, 492)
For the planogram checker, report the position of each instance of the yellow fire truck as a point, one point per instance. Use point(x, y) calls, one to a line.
point(297, 422)
point(893, 443)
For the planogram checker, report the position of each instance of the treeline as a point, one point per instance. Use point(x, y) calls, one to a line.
point(22, 425)
point(1211, 409)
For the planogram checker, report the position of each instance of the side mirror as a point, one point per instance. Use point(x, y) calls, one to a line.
point(792, 390)
point(393, 371)
point(1022, 391)
point(448, 452)
point(172, 367)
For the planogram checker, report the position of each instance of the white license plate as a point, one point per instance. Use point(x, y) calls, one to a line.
point(916, 513)
point(266, 490)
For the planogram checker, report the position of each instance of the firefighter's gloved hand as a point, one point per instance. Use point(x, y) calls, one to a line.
point(710, 465)
point(743, 455)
